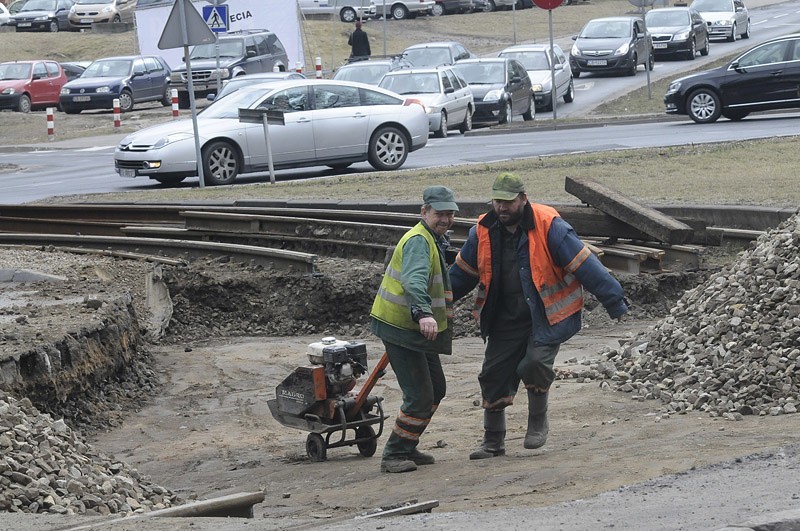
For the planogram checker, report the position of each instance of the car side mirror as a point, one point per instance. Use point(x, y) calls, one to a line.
point(516, 79)
point(736, 67)
point(640, 35)
point(251, 53)
point(574, 37)
point(137, 73)
point(449, 90)
point(37, 76)
point(211, 97)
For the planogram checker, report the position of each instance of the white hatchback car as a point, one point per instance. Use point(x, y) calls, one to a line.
point(327, 123)
point(726, 19)
point(447, 97)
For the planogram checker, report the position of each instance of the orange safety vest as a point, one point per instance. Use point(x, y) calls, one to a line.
point(558, 287)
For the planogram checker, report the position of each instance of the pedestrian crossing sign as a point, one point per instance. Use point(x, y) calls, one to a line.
point(216, 17)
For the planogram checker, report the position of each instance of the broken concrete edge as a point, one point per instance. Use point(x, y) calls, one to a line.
point(28, 275)
point(781, 521)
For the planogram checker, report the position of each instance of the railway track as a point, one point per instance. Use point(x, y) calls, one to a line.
point(292, 235)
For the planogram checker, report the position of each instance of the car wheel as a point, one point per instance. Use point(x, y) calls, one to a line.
point(348, 14)
point(442, 131)
point(490, 6)
point(703, 106)
point(125, 101)
point(569, 97)
point(166, 100)
point(734, 116)
point(576, 73)
point(732, 38)
point(117, 19)
point(437, 10)
point(24, 104)
point(220, 163)
point(466, 125)
point(746, 34)
point(530, 114)
point(704, 51)
point(168, 180)
point(505, 114)
point(53, 27)
point(399, 12)
point(691, 53)
point(388, 148)
point(634, 65)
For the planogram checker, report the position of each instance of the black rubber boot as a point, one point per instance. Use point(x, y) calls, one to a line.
point(536, 435)
point(494, 425)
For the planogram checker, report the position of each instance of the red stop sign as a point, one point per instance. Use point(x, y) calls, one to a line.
point(548, 4)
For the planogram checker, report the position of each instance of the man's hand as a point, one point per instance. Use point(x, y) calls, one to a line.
point(428, 327)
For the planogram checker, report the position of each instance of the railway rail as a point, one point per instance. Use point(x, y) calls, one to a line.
point(292, 234)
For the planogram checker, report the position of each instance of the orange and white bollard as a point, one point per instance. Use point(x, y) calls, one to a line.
point(116, 112)
point(174, 94)
point(298, 67)
point(51, 128)
point(318, 67)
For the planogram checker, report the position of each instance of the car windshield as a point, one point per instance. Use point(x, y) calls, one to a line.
point(39, 5)
point(482, 73)
point(113, 68)
point(713, 6)
point(530, 60)
point(606, 30)
point(363, 73)
point(657, 19)
point(420, 57)
point(226, 49)
point(15, 71)
point(423, 83)
point(228, 107)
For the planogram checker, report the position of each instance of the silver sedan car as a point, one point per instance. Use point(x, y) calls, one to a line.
point(327, 123)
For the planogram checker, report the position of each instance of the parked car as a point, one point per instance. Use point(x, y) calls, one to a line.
point(84, 13)
point(131, 78)
point(402, 9)
point(346, 10)
point(436, 53)
point(371, 71)
point(725, 18)
point(496, 5)
point(15, 6)
point(449, 7)
point(612, 45)
point(536, 60)
point(5, 16)
point(74, 69)
point(27, 85)
point(42, 15)
point(327, 123)
point(447, 98)
point(762, 78)
point(262, 78)
point(240, 52)
point(677, 31)
point(500, 89)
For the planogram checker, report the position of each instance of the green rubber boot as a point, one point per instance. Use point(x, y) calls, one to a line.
point(536, 435)
point(494, 434)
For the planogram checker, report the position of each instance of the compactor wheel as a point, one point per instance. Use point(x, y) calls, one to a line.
point(316, 448)
point(367, 448)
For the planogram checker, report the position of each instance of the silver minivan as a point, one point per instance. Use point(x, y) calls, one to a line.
point(346, 10)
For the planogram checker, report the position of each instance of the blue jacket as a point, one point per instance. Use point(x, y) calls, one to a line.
point(564, 245)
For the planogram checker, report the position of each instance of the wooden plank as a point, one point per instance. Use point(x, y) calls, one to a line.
point(646, 219)
point(422, 507)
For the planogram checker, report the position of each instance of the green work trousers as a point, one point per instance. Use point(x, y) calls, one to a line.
point(422, 381)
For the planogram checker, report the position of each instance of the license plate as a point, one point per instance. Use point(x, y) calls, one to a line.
point(23, 24)
point(659, 45)
point(81, 98)
point(86, 21)
point(127, 172)
point(597, 62)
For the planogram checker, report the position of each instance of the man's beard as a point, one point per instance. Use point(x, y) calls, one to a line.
point(513, 218)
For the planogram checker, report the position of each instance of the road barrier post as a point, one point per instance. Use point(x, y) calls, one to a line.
point(174, 95)
point(318, 67)
point(298, 67)
point(116, 113)
point(51, 130)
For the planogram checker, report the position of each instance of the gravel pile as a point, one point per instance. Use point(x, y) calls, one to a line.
point(47, 468)
point(730, 346)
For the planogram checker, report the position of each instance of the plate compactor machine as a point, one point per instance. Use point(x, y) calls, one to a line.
point(320, 398)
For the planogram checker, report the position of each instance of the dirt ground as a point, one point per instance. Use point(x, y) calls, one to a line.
point(210, 433)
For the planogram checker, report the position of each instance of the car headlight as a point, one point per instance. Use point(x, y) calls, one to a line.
point(682, 36)
point(494, 95)
point(171, 138)
point(224, 73)
point(64, 91)
point(103, 90)
point(537, 87)
point(575, 50)
point(8, 91)
point(622, 50)
point(108, 9)
point(175, 77)
point(43, 17)
point(675, 86)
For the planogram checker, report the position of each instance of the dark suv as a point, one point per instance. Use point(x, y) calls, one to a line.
point(240, 52)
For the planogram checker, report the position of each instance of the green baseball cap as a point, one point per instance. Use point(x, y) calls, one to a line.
point(440, 198)
point(507, 187)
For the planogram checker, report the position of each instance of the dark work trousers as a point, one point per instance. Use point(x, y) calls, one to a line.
point(507, 361)
point(421, 379)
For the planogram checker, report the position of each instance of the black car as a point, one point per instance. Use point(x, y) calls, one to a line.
point(677, 31)
point(616, 45)
point(42, 15)
point(500, 87)
point(762, 78)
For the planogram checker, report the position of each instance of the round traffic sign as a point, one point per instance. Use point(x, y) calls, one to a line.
point(548, 4)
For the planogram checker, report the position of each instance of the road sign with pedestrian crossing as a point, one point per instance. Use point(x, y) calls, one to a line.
point(216, 17)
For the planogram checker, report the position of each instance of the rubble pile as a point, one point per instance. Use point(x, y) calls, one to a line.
point(47, 468)
point(730, 346)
